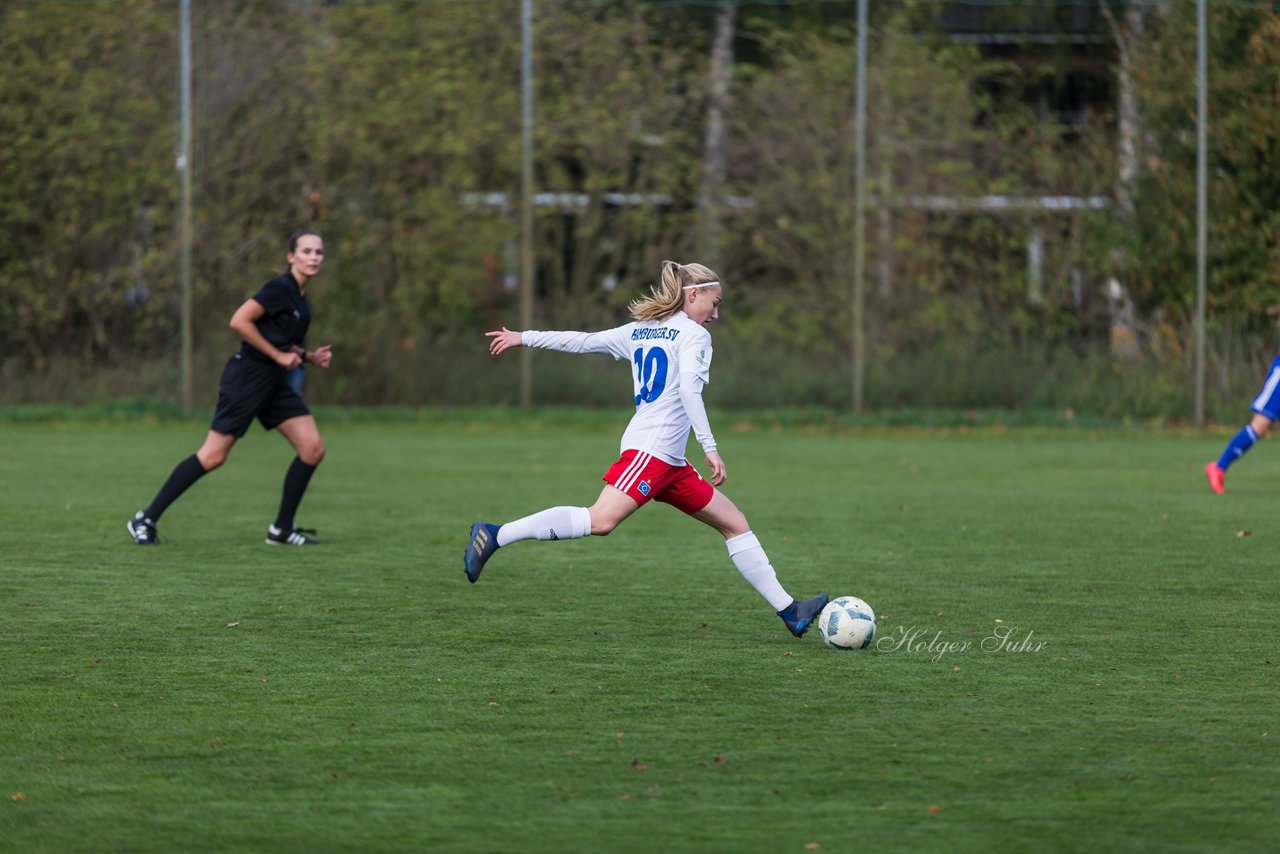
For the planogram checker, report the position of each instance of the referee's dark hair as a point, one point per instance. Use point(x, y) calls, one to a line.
point(298, 235)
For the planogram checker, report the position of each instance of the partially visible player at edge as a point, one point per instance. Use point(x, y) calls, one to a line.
point(255, 384)
point(1266, 409)
point(669, 350)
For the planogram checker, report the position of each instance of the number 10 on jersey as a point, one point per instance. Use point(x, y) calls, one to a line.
point(651, 373)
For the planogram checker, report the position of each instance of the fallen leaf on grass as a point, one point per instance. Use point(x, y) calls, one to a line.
point(637, 765)
point(934, 809)
point(18, 797)
point(1245, 533)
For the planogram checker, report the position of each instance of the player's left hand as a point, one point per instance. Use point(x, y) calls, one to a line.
point(718, 475)
point(321, 355)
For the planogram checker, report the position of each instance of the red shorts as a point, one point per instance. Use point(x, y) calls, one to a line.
point(643, 476)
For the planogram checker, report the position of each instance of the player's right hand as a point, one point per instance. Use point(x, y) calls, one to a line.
point(503, 339)
point(289, 360)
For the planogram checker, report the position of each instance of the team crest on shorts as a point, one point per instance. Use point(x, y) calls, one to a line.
point(644, 487)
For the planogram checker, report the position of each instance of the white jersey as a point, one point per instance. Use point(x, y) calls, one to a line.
point(670, 363)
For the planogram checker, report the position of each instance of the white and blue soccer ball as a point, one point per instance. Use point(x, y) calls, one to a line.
point(847, 623)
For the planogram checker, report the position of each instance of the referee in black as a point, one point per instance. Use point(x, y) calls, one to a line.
point(273, 325)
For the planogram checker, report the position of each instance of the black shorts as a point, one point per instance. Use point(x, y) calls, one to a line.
point(252, 389)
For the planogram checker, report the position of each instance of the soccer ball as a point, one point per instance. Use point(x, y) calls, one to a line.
point(847, 623)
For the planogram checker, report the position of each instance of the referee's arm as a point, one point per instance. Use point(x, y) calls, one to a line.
point(244, 322)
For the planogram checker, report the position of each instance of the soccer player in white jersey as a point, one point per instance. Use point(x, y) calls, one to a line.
point(669, 350)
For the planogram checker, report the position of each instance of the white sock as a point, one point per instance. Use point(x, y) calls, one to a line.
point(555, 523)
point(749, 557)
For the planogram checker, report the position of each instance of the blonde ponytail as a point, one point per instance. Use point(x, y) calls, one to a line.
point(667, 297)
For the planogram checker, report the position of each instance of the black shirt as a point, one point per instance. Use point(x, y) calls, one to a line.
point(286, 320)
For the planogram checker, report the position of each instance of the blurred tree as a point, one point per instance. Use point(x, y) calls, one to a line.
point(393, 128)
point(1244, 189)
point(622, 128)
point(86, 196)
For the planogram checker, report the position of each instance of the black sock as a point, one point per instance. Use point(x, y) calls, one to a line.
point(184, 474)
point(295, 484)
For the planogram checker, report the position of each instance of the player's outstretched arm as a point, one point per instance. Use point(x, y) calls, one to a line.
point(503, 339)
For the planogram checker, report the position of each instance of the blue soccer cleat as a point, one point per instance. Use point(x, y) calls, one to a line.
point(484, 542)
point(800, 615)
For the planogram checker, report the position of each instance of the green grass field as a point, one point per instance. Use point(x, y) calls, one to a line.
point(632, 693)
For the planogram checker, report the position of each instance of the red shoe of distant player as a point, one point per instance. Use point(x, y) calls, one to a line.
point(1216, 477)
